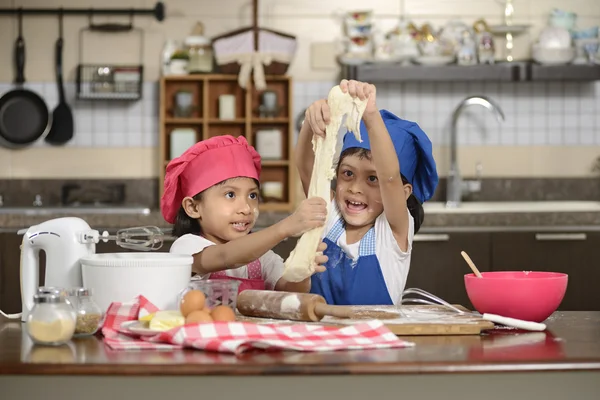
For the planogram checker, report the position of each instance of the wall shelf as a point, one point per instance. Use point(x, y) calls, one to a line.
point(580, 73)
point(501, 72)
point(205, 90)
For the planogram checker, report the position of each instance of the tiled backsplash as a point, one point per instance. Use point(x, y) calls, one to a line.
point(105, 123)
point(536, 113)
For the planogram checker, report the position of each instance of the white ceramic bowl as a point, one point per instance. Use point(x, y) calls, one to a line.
point(555, 38)
point(120, 277)
point(553, 56)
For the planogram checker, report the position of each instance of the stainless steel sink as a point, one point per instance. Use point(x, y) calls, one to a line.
point(512, 207)
point(76, 210)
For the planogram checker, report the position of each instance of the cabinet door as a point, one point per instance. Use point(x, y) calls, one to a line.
point(285, 247)
point(574, 253)
point(437, 266)
point(10, 272)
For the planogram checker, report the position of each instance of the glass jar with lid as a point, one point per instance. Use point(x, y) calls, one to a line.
point(90, 316)
point(200, 52)
point(51, 320)
point(53, 290)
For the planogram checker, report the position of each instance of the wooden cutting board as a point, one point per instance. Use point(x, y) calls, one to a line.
point(412, 320)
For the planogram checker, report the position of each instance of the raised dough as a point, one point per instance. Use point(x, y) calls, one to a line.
point(301, 262)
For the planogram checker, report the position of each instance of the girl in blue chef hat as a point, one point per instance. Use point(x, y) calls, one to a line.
point(376, 207)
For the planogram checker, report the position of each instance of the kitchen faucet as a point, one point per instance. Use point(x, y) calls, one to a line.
point(456, 186)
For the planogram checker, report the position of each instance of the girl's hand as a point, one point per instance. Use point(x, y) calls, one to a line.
point(362, 90)
point(320, 258)
point(317, 116)
point(311, 213)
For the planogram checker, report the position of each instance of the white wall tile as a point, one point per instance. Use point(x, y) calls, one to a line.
point(536, 113)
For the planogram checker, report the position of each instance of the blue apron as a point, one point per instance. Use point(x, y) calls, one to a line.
point(347, 281)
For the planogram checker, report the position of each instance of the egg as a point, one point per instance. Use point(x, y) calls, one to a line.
point(193, 300)
point(223, 313)
point(198, 316)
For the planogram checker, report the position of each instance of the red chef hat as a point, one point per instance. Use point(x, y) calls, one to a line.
point(205, 164)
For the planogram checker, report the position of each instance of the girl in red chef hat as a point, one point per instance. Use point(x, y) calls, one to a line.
point(211, 195)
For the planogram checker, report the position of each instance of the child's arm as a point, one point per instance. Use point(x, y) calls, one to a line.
point(386, 163)
point(310, 214)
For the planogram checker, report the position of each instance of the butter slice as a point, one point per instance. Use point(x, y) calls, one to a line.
point(146, 318)
point(165, 320)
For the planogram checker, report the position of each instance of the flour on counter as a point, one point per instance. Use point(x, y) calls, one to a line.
point(290, 303)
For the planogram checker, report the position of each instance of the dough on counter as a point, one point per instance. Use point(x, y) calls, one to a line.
point(301, 262)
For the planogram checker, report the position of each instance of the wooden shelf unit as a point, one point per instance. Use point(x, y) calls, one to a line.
point(205, 121)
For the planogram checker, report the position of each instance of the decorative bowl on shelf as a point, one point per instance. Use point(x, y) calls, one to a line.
point(527, 295)
point(553, 56)
point(555, 37)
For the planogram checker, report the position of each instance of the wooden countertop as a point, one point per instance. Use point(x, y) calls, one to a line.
point(570, 344)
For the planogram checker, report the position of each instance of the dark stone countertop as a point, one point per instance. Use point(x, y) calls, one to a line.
point(434, 221)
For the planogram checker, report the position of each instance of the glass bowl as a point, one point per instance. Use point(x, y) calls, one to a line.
point(217, 291)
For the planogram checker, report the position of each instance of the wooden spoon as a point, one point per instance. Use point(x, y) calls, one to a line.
point(471, 264)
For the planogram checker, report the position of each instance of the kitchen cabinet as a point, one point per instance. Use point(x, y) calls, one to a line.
point(437, 266)
point(574, 253)
point(10, 274)
point(285, 247)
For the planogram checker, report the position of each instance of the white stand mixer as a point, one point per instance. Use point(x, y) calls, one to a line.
point(59, 238)
point(65, 241)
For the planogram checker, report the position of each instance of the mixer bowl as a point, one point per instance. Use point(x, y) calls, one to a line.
point(527, 295)
point(121, 277)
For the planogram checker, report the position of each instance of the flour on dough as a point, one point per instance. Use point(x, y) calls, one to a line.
point(301, 262)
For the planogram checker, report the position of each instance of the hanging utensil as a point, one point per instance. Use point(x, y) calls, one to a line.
point(24, 116)
point(62, 117)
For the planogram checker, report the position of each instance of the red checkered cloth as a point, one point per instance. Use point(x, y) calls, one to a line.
point(239, 337)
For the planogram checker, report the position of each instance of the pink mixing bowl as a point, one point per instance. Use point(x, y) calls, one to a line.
point(531, 296)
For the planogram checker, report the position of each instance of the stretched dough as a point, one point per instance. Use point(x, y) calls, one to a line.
point(301, 262)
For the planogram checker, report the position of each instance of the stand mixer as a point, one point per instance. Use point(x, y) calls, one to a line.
point(65, 241)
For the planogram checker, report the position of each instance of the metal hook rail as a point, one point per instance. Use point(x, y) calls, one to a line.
point(157, 12)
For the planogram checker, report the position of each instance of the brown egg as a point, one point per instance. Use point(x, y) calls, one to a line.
point(223, 313)
point(198, 316)
point(192, 301)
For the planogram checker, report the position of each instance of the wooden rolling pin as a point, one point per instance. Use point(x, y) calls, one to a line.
point(299, 307)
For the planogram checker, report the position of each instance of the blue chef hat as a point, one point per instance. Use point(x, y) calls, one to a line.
point(414, 151)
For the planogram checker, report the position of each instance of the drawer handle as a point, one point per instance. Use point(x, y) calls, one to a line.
point(431, 237)
point(560, 236)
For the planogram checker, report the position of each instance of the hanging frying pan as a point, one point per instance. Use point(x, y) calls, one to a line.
point(24, 116)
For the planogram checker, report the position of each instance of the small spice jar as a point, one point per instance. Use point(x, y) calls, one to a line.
point(199, 48)
point(90, 316)
point(51, 320)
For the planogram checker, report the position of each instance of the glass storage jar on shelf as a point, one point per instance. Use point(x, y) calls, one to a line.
point(51, 320)
point(90, 316)
point(200, 52)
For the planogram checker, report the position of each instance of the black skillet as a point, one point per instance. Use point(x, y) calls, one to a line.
point(24, 116)
point(62, 117)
